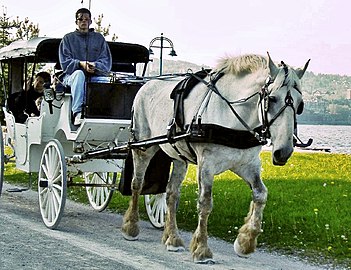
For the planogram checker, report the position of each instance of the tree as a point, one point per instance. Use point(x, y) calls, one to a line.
point(15, 29)
point(27, 30)
point(12, 30)
point(105, 31)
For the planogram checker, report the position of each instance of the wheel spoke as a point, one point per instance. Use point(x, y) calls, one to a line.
point(52, 209)
point(44, 197)
point(57, 170)
point(45, 170)
point(102, 195)
point(56, 198)
point(57, 181)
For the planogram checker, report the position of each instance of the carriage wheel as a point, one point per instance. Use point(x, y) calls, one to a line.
point(156, 209)
point(99, 197)
point(2, 160)
point(52, 184)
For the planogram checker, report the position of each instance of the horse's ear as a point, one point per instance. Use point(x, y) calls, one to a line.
point(273, 69)
point(300, 72)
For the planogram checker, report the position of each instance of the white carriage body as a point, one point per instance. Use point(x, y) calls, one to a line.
point(30, 138)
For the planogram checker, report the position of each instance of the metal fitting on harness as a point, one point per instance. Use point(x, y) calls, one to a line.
point(196, 130)
point(171, 130)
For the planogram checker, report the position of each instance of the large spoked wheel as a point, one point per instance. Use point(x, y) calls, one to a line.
point(99, 197)
point(2, 160)
point(156, 209)
point(52, 184)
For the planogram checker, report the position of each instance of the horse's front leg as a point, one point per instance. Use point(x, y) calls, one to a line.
point(199, 248)
point(130, 226)
point(171, 236)
point(246, 241)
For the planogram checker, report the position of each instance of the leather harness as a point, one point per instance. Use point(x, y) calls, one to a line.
point(204, 133)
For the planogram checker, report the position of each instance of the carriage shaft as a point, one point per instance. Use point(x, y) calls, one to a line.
point(139, 144)
point(72, 184)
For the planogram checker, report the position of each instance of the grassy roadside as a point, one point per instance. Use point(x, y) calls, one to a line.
point(307, 212)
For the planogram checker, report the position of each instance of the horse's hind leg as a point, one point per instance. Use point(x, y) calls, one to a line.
point(171, 236)
point(246, 241)
point(130, 227)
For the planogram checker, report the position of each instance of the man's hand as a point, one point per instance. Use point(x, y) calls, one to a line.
point(88, 66)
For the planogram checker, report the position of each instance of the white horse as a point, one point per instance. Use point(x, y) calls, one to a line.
point(236, 96)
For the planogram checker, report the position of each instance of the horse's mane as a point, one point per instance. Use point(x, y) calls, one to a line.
point(243, 64)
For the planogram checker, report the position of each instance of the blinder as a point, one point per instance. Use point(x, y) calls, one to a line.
point(266, 99)
point(300, 108)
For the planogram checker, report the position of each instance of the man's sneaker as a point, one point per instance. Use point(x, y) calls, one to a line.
point(78, 119)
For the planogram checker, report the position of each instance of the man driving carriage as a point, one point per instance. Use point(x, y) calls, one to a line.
point(83, 54)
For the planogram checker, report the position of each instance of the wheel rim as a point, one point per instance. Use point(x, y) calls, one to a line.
point(2, 160)
point(156, 209)
point(99, 197)
point(52, 184)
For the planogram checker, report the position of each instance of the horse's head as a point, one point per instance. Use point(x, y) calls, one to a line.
point(281, 100)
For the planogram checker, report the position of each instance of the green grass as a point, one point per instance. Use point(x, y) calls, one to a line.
point(307, 212)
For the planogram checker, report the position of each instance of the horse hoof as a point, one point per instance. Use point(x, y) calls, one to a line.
point(129, 238)
point(237, 250)
point(205, 261)
point(175, 249)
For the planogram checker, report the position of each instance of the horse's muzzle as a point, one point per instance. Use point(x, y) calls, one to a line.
point(281, 156)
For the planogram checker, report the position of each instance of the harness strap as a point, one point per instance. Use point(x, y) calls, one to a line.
point(211, 85)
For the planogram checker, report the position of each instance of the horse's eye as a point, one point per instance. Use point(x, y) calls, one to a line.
point(272, 99)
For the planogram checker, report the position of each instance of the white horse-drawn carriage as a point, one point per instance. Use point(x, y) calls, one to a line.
point(58, 151)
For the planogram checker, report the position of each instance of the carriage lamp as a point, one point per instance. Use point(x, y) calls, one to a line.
point(161, 46)
point(49, 96)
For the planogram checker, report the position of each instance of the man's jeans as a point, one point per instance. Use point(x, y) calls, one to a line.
point(77, 83)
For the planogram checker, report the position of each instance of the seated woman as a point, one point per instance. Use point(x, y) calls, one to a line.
point(23, 103)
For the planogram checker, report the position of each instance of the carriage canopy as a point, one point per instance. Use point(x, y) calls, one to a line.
point(125, 57)
point(45, 50)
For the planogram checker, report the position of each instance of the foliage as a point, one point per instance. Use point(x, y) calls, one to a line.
point(332, 86)
point(27, 30)
point(11, 30)
point(105, 31)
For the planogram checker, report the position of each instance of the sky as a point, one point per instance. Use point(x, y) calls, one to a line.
point(202, 32)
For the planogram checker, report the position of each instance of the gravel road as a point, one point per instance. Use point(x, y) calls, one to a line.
point(86, 239)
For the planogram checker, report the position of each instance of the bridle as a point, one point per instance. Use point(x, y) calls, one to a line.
point(265, 99)
point(261, 133)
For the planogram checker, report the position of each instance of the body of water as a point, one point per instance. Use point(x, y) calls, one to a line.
point(335, 138)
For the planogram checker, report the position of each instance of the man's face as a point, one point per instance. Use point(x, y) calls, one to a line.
point(83, 21)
